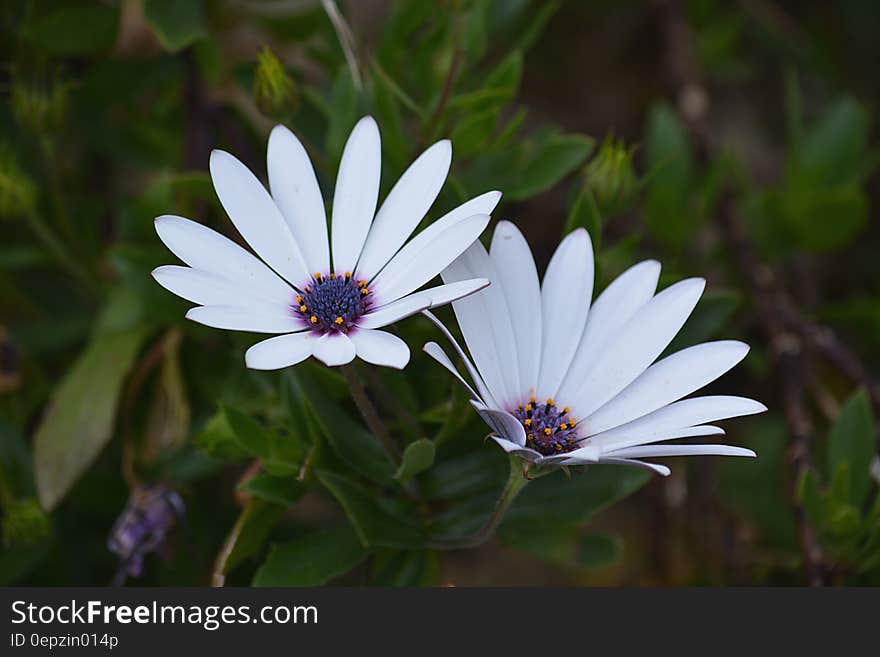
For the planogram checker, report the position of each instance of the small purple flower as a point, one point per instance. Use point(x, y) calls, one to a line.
point(151, 512)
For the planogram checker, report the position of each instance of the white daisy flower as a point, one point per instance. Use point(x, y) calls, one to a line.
point(326, 295)
point(563, 383)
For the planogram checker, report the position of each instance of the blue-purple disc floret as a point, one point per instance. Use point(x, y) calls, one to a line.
point(549, 429)
point(332, 303)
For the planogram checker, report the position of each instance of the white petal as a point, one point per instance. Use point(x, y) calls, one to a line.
point(655, 451)
point(334, 349)
point(503, 423)
point(523, 452)
point(611, 310)
point(518, 280)
point(481, 386)
point(675, 416)
point(356, 193)
point(280, 351)
point(256, 217)
point(403, 209)
point(636, 345)
point(653, 467)
point(565, 301)
point(667, 381)
point(394, 311)
point(480, 205)
point(443, 294)
point(436, 352)
point(427, 255)
point(207, 289)
point(295, 190)
point(485, 322)
point(579, 456)
point(671, 434)
point(380, 348)
point(258, 319)
point(207, 250)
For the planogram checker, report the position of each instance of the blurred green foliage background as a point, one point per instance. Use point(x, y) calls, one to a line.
point(733, 140)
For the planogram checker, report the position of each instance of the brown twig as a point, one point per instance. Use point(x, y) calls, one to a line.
point(771, 303)
point(368, 411)
point(451, 75)
point(791, 369)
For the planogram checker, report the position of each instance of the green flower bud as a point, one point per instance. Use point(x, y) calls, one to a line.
point(274, 89)
point(610, 175)
point(24, 523)
point(17, 190)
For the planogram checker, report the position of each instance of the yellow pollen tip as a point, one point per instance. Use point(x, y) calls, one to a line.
point(302, 309)
point(530, 436)
point(348, 274)
point(313, 319)
point(333, 275)
point(563, 426)
point(566, 409)
point(338, 320)
point(299, 299)
point(528, 407)
point(532, 399)
point(550, 401)
point(364, 291)
point(528, 421)
point(558, 447)
point(362, 283)
point(317, 274)
point(547, 431)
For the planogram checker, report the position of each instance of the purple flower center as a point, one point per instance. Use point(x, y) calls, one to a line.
point(549, 429)
point(332, 303)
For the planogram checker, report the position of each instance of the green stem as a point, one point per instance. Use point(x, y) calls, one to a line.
point(368, 411)
point(516, 481)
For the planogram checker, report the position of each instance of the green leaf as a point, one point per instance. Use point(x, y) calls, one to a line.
point(832, 151)
point(406, 568)
point(809, 216)
point(280, 490)
point(852, 442)
point(250, 531)
point(584, 213)
point(312, 559)
point(375, 523)
point(81, 412)
point(217, 440)
point(546, 161)
point(555, 500)
point(417, 457)
point(249, 433)
point(555, 545)
point(599, 551)
point(77, 30)
point(282, 454)
point(507, 74)
point(349, 440)
point(342, 114)
point(471, 134)
point(810, 497)
point(177, 24)
point(670, 161)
